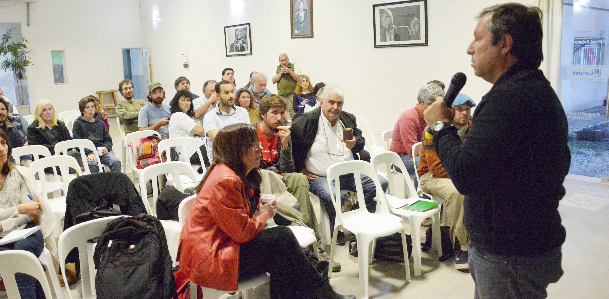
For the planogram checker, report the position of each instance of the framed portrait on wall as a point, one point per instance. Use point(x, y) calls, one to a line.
point(301, 15)
point(238, 40)
point(400, 24)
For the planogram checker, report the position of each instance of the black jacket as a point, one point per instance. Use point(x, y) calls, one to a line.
point(304, 130)
point(36, 135)
point(512, 166)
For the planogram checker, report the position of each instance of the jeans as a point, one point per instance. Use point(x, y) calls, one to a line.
point(28, 286)
point(499, 276)
point(319, 186)
point(109, 160)
point(410, 167)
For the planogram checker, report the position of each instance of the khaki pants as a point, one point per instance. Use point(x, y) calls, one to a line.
point(453, 205)
point(289, 100)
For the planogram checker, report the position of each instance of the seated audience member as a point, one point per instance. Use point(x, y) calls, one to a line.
point(128, 110)
point(101, 114)
point(224, 236)
point(228, 74)
point(244, 100)
point(303, 94)
point(258, 87)
point(409, 128)
point(24, 124)
point(46, 129)
point(183, 83)
point(249, 83)
point(435, 180)
point(155, 115)
point(318, 144)
point(18, 211)
point(225, 114)
point(87, 127)
point(12, 126)
point(182, 124)
point(203, 105)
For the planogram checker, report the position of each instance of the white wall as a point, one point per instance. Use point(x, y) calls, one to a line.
point(379, 83)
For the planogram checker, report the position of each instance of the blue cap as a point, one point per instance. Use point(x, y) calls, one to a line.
point(462, 99)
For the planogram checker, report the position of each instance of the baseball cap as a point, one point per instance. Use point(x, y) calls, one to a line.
point(154, 85)
point(462, 99)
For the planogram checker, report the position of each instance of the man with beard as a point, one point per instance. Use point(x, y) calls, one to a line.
point(11, 125)
point(286, 80)
point(319, 144)
point(183, 83)
point(225, 114)
point(258, 87)
point(155, 115)
point(129, 109)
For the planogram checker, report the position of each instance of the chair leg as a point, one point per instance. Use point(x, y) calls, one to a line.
point(415, 233)
point(46, 259)
point(406, 260)
point(332, 251)
point(436, 239)
point(363, 244)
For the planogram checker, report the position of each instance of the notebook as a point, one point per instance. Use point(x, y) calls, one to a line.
point(18, 234)
point(421, 206)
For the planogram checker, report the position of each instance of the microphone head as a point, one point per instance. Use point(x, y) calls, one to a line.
point(458, 79)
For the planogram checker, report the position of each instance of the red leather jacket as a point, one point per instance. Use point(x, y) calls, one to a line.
point(216, 225)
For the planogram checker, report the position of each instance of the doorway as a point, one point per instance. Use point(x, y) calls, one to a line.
point(136, 67)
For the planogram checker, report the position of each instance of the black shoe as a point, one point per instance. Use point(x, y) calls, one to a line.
point(340, 239)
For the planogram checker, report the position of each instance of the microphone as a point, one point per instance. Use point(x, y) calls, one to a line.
point(456, 84)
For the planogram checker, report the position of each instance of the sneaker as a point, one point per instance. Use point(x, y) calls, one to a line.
point(461, 262)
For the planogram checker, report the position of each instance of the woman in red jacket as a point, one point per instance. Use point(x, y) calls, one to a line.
point(222, 239)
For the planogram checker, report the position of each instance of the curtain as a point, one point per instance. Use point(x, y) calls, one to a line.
point(552, 32)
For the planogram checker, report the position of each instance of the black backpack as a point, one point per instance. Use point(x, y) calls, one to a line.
point(132, 260)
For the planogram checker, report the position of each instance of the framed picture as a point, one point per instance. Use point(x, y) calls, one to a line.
point(400, 24)
point(238, 40)
point(301, 16)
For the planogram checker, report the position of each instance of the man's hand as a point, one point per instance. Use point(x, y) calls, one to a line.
point(350, 143)
point(104, 151)
point(309, 175)
point(284, 135)
point(163, 122)
point(280, 176)
point(438, 111)
point(91, 158)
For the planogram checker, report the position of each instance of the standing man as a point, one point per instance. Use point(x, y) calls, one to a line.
point(155, 115)
point(512, 165)
point(225, 114)
point(128, 110)
point(410, 126)
point(286, 80)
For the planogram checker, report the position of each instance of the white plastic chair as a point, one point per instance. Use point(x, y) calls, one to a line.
point(69, 121)
point(387, 136)
point(414, 218)
point(182, 143)
point(36, 151)
point(29, 118)
point(57, 205)
point(76, 237)
point(130, 152)
point(244, 284)
point(152, 173)
point(62, 115)
point(371, 145)
point(61, 148)
point(122, 133)
point(46, 260)
point(364, 225)
point(21, 261)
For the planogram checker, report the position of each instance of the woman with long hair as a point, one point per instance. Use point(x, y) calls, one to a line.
point(20, 207)
point(303, 94)
point(46, 129)
point(224, 236)
point(244, 99)
point(182, 124)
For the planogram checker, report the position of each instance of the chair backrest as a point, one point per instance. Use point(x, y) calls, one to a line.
point(62, 115)
point(416, 151)
point(69, 120)
point(30, 118)
point(363, 125)
point(61, 148)
point(21, 261)
point(387, 135)
point(184, 208)
point(152, 172)
point(65, 163)
point(133, 137)
point(388, 159)
point(120, 128)
point(77, 236)
point(36, 150)
point(357, 168)
point(182, 143)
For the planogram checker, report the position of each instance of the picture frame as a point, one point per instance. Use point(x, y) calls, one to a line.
point(238, 40)
point(301, 18)
point(400, 24)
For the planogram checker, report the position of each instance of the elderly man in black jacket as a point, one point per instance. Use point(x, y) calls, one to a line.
point(318, 143)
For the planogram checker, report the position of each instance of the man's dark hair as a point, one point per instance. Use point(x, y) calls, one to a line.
point(180, 80)
point(174, 105)
point(222, 83)
point(523, 24)
point(271, 101)
point(120, 85)
point(317, 87)
point(207, 83)
point(227, 69)
point(84, 101)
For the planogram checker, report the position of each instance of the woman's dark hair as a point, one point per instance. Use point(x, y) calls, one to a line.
point(238, 95)
point(7, 166)
point(174, 104)
point(230, 144)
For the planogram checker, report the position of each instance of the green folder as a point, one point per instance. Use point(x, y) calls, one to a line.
point(421, 206)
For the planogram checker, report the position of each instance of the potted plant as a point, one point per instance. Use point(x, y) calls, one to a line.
point(16, 58)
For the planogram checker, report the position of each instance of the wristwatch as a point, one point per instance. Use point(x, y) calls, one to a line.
point(439, 125)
